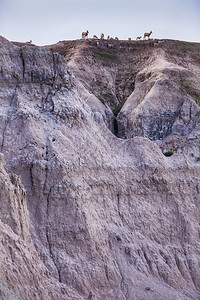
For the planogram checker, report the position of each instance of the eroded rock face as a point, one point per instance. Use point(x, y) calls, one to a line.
point(152, 87)
point(163, 107)
point(22, 274)
point(106, 218)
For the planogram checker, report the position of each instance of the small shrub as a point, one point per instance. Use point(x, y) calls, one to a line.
point(168, 153)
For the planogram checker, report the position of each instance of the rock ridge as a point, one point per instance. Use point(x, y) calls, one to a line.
point(90, 215)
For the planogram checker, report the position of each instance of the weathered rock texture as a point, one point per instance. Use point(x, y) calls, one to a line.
point(98, 216)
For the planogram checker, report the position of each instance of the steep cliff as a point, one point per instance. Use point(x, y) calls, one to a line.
point(152, 87)
point(108, 216)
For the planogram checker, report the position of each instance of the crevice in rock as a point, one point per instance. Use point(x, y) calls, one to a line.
point(23, 63)
point(52, 254)
point(14, 96)
point(48, 193)
point(124, 285)
point(118, 207)
point(3, 134)
point(46, 170)
point(48, 236)
point(46, 176)
point(148, 261)
point(54, 67)
point(106, 272)
point(31, 174)
point(48, 202)
point(47, 153)
point(115, 127)
point(47, 102)
point(193, 277)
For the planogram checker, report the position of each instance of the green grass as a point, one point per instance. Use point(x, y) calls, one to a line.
point(197, 97)
point(107, 55)
point(190, 46)
point(189, 90)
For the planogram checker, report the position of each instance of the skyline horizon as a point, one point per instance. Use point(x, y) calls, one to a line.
point(105, 38)
point(21, 20)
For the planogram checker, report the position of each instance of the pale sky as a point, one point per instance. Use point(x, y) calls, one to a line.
point(49, 21)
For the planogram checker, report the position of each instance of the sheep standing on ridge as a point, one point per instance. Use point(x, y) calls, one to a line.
point(102, 36)
point(95, 37)
point(85, 34)
point(139, 38)
point(147, 34)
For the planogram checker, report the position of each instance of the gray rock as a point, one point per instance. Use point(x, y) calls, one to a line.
point(90, 215)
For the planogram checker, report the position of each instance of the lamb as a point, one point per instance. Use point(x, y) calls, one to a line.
point(139, 38)
point(147, 34)
point(129, 39)
point(85, 34)
point(29, 42)
point(102, 36)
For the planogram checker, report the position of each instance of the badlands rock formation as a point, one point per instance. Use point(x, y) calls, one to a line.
point(99, 171)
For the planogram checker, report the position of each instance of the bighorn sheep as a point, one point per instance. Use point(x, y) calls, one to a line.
point(129, 39)
point(29, 42)
point(147, 34)
point(139, 38)
point(102, 35)
point(108, 37)
point(85, 34)
point(116, 38)
point(95, 37)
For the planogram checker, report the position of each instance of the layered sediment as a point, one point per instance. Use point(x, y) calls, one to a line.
point(100, 180)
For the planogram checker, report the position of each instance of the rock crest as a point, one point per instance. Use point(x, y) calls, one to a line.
point(90, 215)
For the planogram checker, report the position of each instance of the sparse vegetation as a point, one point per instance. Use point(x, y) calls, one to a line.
point(107, 98)
point(168, 153)
point(107, 54)
point(117, 109)
point(197, 97)
point(189, 90)
point(185, 86)
point(190, 46)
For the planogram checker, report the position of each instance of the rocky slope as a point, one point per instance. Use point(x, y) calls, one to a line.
point(102, 212)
